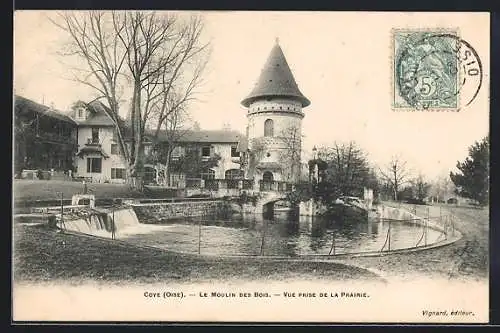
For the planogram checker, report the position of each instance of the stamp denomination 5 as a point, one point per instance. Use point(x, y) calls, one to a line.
point(434, 70)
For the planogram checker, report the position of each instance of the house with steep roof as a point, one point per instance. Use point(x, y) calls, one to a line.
point(98, 158)
point(44, 139)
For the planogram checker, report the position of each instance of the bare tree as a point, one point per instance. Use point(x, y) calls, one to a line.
point(176, 88)
point(396, 174)
point(174, 130)
point(256, 150)
point(151, 52)
point(92, 40)
point(290, 155)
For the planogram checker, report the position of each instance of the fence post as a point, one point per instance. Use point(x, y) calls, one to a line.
point(62, 211)
point(333, 244)
point(199, 237)
point(426, 226)
point(445, 228)
point(452, 219)
point(389, 237)
point(113, 221)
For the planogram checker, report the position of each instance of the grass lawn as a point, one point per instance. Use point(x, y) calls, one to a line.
point(25, 189)
point(44, 255)
point(468, 258)
point(31, 190)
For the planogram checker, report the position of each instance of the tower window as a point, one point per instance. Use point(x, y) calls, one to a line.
point(269, 127)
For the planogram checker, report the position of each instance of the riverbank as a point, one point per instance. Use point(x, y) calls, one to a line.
point(467, 258)
point(44, 255)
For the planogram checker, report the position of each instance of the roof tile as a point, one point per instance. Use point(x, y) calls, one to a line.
point(276, 79)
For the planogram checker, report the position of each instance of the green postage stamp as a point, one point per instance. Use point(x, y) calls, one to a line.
point(433, 70)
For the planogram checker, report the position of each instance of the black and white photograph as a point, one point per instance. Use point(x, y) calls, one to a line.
point(237, 166)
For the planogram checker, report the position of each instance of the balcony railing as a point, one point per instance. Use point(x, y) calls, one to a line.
point(277, 186)
point(93, 142)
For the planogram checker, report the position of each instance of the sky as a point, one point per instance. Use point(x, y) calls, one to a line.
point(341, 62)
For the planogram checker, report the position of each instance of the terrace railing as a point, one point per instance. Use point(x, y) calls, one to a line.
point(276, 186)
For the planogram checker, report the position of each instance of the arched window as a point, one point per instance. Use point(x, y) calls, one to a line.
point(234, 174)
point(269, 127)
point(267, 176)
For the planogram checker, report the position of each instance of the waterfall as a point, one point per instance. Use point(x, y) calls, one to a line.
point(101, 223)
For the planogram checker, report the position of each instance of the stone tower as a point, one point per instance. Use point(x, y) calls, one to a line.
point(274, 127)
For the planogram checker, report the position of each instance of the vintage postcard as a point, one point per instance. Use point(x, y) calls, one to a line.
point(232, 166)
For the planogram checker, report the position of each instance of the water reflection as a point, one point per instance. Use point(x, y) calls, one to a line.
point(284, 234)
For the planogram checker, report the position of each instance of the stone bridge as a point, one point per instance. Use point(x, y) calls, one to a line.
point(268, 191)
point(267, 199)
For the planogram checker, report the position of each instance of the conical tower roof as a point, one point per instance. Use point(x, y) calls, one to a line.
point(276, 80)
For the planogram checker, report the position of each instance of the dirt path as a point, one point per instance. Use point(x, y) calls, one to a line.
point(465, 259)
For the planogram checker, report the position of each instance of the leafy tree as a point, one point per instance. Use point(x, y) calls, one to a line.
point(406, 193)
point(473, 179)
point(348, 170)
point(420, 188)
point(343, 169)
point(192, 163)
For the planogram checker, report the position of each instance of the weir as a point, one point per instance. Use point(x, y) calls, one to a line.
point(108, 223)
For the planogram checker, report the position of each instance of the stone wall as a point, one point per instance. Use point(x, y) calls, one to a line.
point(159, 212)
point(311, 208)
point(392, 213)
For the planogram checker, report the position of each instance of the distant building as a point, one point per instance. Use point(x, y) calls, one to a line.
point(274, 128)
point(99, 157)
point(84, 140)
point(44, 138)
point(207, 144)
